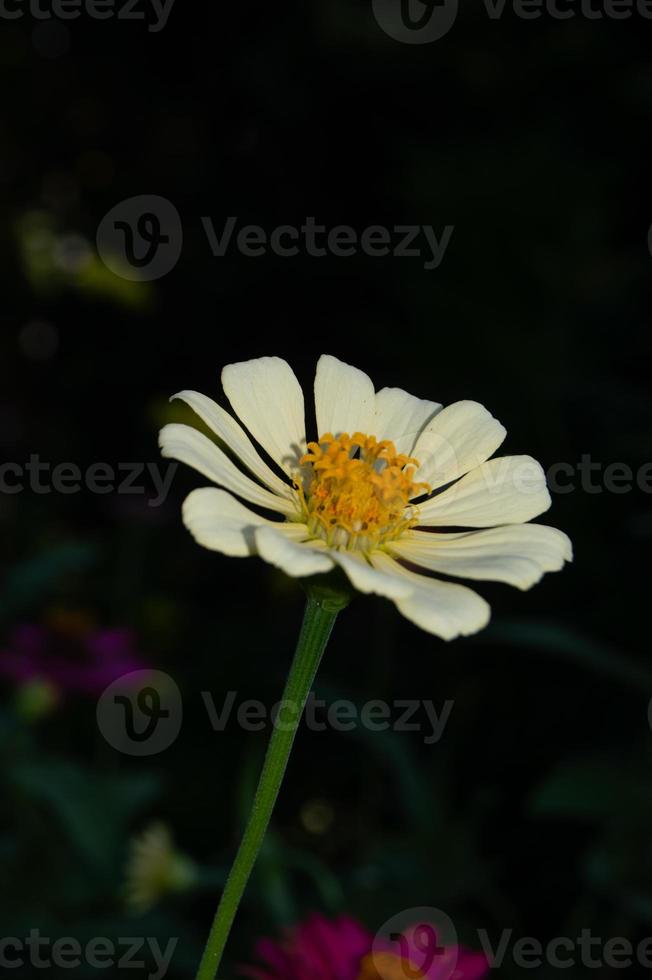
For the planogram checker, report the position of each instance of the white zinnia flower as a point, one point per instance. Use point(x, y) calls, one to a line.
point(387, 479)
point(155, 868)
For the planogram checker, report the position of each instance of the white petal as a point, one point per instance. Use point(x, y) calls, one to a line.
point(189, 446)
point(442, 608)
point(368, 579)
point(506, 490)
point(460, 437)
point(293, 558)
point(344, 398)
point(226, 428)
point(401, 417)
point(518, 554)
point(218, 521)
point(268, 400)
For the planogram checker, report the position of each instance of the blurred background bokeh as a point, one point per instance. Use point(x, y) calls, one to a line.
point(533, 811)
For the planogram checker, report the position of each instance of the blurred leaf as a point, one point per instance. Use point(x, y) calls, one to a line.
point(53, 259)
point(640, 906)
point(327, 885)
point(561, 640)
point(277, 860)
point(28, 581)
point(424, 808)
point(93, 809)
point(272, 875)
point(593, 789)
point(96, 279)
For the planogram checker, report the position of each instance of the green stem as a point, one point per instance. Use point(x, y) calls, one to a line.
point(318, 621)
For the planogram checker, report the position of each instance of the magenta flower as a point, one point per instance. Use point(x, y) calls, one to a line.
point(320, 949)
point(70, 655)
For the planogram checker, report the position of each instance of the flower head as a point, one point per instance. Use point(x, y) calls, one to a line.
point(68, 653)
point(392, 489)
point(358, 491)
point(320, 949)
point(155, 868)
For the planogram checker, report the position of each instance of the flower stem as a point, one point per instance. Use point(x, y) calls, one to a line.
point(318, 620)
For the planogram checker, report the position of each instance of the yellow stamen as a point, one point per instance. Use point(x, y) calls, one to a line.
point(358, 491)
point(387, 966)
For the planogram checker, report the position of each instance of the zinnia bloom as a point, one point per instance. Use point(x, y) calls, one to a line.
point(155, 868)
point(320, 949)
point(69, 654)
point(393, 488)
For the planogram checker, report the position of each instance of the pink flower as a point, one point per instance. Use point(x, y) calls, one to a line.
point(69, 654)
point(342, 949)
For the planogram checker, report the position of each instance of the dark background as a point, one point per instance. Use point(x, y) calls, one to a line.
point(533, 812)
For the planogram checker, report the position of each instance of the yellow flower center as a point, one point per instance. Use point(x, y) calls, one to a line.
point(358, 491)
point(387, 966)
